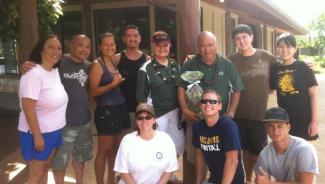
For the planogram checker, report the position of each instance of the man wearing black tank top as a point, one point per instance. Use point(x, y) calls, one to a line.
point(128, 63)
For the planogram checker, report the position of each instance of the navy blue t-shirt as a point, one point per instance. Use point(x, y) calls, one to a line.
point(215, 142)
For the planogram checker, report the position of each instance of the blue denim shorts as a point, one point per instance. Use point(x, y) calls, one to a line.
point(52, 141)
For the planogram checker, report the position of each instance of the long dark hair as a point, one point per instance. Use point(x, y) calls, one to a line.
point(35, 55)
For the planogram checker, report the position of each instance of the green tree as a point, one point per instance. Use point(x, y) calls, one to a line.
point(49, 11)
point(318, 32)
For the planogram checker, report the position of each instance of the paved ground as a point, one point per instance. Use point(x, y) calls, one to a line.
point(13, 170)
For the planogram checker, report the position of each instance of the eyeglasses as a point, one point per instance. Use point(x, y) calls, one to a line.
point(210, 101)
point(139, 118)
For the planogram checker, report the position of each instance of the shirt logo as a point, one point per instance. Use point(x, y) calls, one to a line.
point(210, 143)
point(81, 76)
point(159, 155)
point(286, 82)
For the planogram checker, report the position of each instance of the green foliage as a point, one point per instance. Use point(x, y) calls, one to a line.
point(302, 42)
point(319, 62)
point(48, 14)
point(9, 19)
point(318, 31)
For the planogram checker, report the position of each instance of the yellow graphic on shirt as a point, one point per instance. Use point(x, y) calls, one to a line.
point(286, 83)
point(210, 143)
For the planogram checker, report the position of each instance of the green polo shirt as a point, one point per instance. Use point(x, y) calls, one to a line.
point(220, 76)
point(152, 87)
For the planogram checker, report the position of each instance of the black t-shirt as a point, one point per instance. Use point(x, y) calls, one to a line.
point(215, 142)
point(292, 83)
point(129, 70)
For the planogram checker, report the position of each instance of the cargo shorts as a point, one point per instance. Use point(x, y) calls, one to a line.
point(77, 141)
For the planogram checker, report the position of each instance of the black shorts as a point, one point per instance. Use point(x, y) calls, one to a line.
point(252, 134)
point(111, 119)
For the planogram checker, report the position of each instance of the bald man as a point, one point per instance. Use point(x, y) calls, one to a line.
point(219, 75)
point(77, 139)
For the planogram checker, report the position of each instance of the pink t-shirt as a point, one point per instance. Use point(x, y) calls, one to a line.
point(46, 88)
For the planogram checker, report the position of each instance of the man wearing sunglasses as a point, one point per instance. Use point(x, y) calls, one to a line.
point(217, 142)
point(219, 74)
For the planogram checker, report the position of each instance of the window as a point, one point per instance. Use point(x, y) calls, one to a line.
point(114, 20)
point(67, 26)
point(166, 21)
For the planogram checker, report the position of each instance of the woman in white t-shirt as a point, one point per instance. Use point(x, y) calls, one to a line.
point(147, 155)
point(43, 103)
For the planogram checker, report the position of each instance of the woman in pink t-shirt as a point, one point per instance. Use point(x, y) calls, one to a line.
point(43, 103)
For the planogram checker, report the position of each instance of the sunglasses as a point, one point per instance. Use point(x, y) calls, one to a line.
point(210, 101)
point(139, 118)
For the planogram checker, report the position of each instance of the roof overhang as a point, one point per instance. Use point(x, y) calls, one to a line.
point(267, 12)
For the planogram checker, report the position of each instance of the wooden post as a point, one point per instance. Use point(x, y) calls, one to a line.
point(189, 16)
point(87, 23)
point(28, 29)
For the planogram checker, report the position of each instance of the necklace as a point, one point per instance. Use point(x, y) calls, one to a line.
point(170, 79)
point(214, 77)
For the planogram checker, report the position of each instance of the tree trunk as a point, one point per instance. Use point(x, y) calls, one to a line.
point(28, 29)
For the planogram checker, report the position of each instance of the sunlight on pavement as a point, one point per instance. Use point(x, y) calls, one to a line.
point(320, 77)
point(18, 167)
point(66, 179)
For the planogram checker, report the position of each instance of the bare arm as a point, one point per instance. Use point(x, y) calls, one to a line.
point(148, 58)
point(116, 58)
point(303, 178)
point(313, 127)
point(234, 101)
point(199, 166)
point(230, 167)
point(95, 75)
point(189, 115)
point(28, 106)
point(26, 66)
point(127, 178)
point(165, 177)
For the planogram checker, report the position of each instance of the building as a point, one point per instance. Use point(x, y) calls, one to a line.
point(182, 19)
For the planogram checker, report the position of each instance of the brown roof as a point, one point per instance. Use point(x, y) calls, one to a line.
point(269, 13)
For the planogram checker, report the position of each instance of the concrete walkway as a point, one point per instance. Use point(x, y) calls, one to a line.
point(12, 167)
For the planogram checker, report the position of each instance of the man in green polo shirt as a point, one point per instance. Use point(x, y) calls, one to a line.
point(219, 75)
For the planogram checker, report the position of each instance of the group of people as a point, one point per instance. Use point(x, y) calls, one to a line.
point(132, 89)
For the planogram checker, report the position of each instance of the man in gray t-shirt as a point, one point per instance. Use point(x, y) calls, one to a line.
point(287, 158)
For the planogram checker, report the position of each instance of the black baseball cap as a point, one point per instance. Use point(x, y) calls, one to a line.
point(160, 37)
point(276, 114)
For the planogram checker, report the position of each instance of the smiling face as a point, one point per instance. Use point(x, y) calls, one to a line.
point(107, 46)
point(145, 121)
point(80, 47)
point(132, 38)
point(210, 104)
point(161, 50)
point(278, 130)
point(52, 51)
point(207, 46)
point(243, 42)
point(286, 51)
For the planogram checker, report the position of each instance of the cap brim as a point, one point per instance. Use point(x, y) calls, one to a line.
point(279, 120)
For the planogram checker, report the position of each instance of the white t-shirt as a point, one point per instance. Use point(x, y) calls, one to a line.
point(146, 160)
point(46, 88)
point(300, 156)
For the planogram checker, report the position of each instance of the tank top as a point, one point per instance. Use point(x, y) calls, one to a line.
point(129, 70)
point(114, 96)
